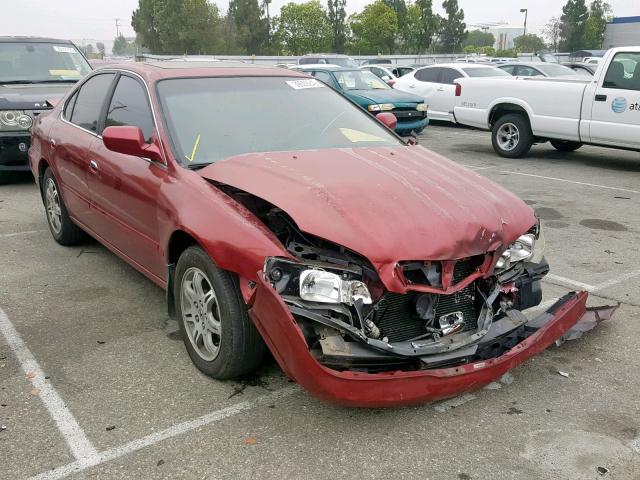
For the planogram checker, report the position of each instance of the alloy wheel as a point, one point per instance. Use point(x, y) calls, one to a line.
point(201, 313)
point(52, 205)
point(508, 137)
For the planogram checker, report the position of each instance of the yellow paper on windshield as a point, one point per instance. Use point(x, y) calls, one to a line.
point(356, 136)
point(64, 73)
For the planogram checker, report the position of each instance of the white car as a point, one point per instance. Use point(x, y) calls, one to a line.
point(601, 110)
point(436, 84)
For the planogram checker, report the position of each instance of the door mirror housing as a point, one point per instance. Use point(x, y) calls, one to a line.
point(129, 140)
point(388, 119)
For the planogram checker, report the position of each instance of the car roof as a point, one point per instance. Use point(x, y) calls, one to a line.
point(33, 40)
point(324, 66)
point(460, 65)
point(337, 55)
point(155, 71)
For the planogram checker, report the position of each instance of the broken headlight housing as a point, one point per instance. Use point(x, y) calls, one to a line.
point(14, 120)
point(316, 282)
point(528, 247)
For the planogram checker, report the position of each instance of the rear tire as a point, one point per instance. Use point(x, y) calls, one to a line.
point(511, 136)
point(565, 146)
point(62, 228)
point(217, 332)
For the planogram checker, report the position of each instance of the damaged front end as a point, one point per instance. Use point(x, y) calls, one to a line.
point(402, 332)
point(452, 312)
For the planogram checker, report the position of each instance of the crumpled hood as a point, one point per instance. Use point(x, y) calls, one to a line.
point(384, 96)
point(388, 204)
point(30, 97)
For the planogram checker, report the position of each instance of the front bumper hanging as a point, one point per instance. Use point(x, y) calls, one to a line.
point(565, 320)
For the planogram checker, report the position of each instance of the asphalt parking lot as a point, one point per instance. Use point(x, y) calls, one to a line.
point(95, 381)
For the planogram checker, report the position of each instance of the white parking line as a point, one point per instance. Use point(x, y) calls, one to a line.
point(571, 181)
point(557, 279)
point(568, 282)
point(17, 234)
point(442, 407)
point(161, 435)
point(80, 446)
point(473, 167)
point(616, 281)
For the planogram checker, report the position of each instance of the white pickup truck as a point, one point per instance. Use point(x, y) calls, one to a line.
point(519, 112)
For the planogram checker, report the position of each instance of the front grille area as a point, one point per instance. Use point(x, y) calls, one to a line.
point(398, 320)
point(402, 114)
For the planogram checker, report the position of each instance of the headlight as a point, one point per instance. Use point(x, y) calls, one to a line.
point(12, 120)
point(422, 107)
point(529, 247)
point(316, 283)
point(326, 287)
point(382, 107)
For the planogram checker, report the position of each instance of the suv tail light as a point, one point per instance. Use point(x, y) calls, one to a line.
point(458, 89)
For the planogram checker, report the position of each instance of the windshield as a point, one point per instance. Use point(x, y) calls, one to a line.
point(41, 62)
point(485, 72)
point(555, 70)
point(359, 80)
point(210, 119)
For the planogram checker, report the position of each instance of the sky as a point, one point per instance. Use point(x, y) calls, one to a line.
point(95, 19)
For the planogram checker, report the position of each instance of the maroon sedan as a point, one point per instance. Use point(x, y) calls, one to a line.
point(276, 214)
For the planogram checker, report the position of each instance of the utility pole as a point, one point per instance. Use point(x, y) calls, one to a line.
point(117, 27)
point(526, 13)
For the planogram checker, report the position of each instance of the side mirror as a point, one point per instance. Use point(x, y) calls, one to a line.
point(129, 140)
point(388, 119)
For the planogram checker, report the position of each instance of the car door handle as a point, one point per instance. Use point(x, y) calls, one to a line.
point(441, 89)
point(93, 165)
point(601, 98)
point(412, 86)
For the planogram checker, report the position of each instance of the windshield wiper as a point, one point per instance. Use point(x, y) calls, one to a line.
point(196, 166)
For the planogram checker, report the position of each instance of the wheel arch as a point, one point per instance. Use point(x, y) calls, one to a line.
point(502, 108)
point(43, 164)
point(179, 241)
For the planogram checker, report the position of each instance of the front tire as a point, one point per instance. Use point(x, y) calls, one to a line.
point(565, 145)
point(62, 228)
point(216, 329)
point(511, 136)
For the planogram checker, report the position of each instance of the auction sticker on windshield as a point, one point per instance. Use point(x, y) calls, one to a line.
point(60, 49)
point(301, 84)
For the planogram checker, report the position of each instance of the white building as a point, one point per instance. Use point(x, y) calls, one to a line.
point(622, 32)
point(504, 35)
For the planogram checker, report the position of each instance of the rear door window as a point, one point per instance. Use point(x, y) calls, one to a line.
point(449, 75)
point(90, 101)
point(524, 71)
point(428, 74)
point(130, 106)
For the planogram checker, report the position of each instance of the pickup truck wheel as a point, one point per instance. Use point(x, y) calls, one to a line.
point(511, 136)
point(62, 228)
point(216, 329)
point(565, 146)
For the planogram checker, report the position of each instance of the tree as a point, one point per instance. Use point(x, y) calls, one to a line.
point(400, 7)
point(374, 29)
point(552, 32)
point(421, 26)
point(529, 43)
point(119, 45)
point(478, 38)
point(177, 26)
point(100, 47)
point(251, 27)
point(574, 18)
point(452, 27)
point(304, 28)
point(337, 16)
point(87, 50)
point(599, 14)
